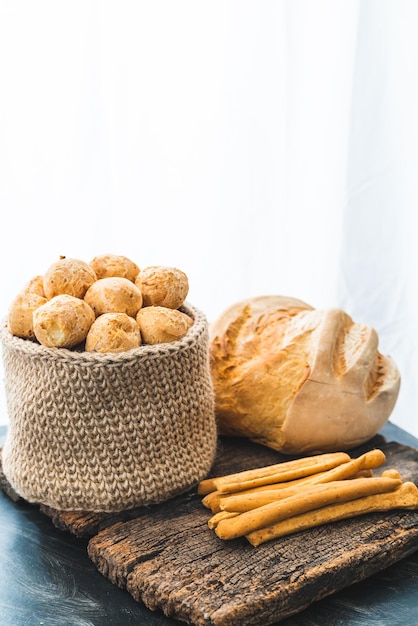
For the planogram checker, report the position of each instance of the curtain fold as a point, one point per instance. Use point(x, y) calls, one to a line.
point(376, 281)
point(262, 147)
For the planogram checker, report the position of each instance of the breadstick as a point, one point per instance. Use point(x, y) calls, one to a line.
point(212, 499)
point(244, 501)
point(363, 463)
point(215, 519)
point(367, 473)
point(391, 473)
point(205, 486)
point(405, 497)
point(282, 472)
point(314, 497)
point(307, 480)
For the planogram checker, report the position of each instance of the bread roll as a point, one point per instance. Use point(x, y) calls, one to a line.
point(299, 380)
point(20, 314)
point(114, 295)
point(106, 265)
point(62, 322)
point(162, 325)
point(69, 276)
point(163, 286)
point(113, 332)
point(35, 285)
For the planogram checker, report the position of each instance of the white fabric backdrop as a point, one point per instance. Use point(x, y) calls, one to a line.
point(262, 147)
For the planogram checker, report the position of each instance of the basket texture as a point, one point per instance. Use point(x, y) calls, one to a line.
point(108, 432)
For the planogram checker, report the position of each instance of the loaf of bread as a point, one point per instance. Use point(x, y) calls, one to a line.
point(297, 379)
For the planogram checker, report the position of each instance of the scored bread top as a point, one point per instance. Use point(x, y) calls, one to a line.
point(299, 379)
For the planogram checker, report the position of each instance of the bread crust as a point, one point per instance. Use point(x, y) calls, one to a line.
point(163, 286)
point(35, 285)
point(114, 294)
point(20, 314)
point(68, 276)
point(62, 322)
point(105, 265)
point(113, 332)
point(298, 379)
point(162, 325)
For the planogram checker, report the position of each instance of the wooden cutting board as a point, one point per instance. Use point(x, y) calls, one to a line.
point(168, 558)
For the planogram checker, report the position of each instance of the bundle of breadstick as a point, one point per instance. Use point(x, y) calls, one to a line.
point(269, 502)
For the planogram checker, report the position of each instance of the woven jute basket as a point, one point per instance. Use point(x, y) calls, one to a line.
point(108, 432)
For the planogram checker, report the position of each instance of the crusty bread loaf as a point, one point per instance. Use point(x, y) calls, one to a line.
point(297, 379)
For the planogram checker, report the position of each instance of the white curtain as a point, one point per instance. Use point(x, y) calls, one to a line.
point(261, 146)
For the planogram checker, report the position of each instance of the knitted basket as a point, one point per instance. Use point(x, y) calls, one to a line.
point(108, 432)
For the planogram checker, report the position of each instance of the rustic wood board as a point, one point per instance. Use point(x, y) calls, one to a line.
point(168, 558)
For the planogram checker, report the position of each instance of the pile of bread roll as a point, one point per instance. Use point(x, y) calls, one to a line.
point(285, 375)
point(106, 305)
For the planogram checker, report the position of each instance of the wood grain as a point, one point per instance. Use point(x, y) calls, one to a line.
point(166, 556)
point(169, 559)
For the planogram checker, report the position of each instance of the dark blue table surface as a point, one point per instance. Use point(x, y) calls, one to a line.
point(47, 578)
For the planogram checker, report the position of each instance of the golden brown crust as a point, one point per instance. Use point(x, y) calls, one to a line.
point(62, 322)
point(249, 353)
point(114, 295)
point(162, 325)
point(68, 276)
point(113, 332)
point(106, 265)
point(405, 497)
point(163, 286)
point(312, 498)
point(35, 285)
point(109, 284)
point(297, 379)
point(20, 314)
point(343, 402)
